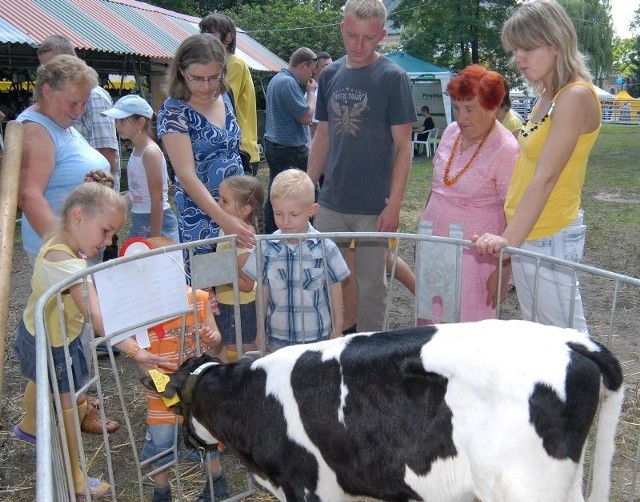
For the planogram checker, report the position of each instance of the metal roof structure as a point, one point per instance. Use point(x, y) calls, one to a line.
point(115, 35)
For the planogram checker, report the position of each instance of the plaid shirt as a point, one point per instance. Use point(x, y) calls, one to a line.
point(100, 130)
point(295, 301)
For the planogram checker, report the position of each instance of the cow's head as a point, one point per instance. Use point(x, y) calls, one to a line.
point(182, 381)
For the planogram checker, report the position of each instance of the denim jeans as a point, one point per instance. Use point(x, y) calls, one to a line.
point(141, 225)
point(555, 288)
point(280, 158)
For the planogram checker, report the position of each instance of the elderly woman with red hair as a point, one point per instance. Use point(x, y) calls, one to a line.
point(471, 175)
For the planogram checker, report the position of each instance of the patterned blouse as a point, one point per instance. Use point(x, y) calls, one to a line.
point(215, 152)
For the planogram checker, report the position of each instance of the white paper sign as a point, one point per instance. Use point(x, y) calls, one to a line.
point(134, 293)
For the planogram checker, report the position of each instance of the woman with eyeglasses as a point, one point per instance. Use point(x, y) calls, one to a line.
point(197, 126)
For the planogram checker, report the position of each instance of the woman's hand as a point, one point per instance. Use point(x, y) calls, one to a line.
point(490, 244)
point(233, 225)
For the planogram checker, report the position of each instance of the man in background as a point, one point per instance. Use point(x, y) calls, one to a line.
point(239, 79)
point(289, 111)
point(324, 59)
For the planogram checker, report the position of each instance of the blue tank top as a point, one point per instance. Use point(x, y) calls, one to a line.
point(74, 158)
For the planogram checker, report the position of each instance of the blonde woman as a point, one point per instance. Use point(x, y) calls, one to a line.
point(543, 203)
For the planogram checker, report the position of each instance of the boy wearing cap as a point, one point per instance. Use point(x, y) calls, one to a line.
point(147, 178)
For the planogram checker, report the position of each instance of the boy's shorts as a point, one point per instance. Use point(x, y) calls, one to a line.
point(159, 438)
point(227, 323)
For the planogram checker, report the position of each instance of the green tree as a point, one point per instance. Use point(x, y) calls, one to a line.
point(183, 6)
point(284, 25)
point(594, 29)
point(633, 79)
point(625, 56)
point(455, 33)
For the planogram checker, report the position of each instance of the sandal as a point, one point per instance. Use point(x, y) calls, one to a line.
point(91, 423)
point(97, 488)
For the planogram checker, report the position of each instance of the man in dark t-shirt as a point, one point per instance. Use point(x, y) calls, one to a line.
point(427, 125)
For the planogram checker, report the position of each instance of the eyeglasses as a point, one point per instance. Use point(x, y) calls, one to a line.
point(311, 59)
point(202, 80)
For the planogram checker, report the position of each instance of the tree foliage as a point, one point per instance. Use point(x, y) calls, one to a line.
point(285, 25)
point(455, 33)
point(632, 77)
point(183, 6)
point(594, 29)
point(625, 56)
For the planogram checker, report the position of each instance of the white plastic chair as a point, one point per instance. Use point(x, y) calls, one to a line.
point(430, 143)
point(415, 143)
point(433, 140)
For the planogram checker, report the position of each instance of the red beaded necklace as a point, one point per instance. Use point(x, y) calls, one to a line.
point(452, 181)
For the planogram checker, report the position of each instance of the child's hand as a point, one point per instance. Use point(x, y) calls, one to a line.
point(211, 337)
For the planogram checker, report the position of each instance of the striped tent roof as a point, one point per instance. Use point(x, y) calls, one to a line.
point(126, 27)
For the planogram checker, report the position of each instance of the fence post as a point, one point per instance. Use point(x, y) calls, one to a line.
point(9, 179)
point(436, 264)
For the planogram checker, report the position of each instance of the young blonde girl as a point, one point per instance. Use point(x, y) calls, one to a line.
point(147, 179)
point(90, 217)
point(243, 197)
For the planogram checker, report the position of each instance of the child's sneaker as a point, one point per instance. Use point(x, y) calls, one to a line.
point(162, 494)
point(220, 490)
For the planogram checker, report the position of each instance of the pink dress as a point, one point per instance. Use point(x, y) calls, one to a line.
point(476, 201)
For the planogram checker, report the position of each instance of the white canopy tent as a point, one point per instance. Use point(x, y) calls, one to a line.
point(429, 85)
point(602, 94)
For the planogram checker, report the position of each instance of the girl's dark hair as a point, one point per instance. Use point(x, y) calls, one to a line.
point(196, 49)
point(217, 21)
point(248, 191)
point(151, 126)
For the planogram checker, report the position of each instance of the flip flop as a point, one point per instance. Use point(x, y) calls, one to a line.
point(23, 436)
point(97, 487)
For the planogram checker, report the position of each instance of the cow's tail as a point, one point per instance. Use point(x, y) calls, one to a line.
point(612, 395)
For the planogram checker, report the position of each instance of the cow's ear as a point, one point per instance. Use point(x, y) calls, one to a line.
point(150, 383)
point(147, 381)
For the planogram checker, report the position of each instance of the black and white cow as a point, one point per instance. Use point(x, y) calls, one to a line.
point(496, 410)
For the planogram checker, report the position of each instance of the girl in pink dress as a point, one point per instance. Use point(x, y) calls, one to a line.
point(472, 171)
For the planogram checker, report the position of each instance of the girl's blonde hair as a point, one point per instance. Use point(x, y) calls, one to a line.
point(248, 191)
point(92, 198)
point(544, 23)
point(99, 176)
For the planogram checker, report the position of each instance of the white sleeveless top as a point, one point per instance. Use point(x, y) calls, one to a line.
point(139, 187)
